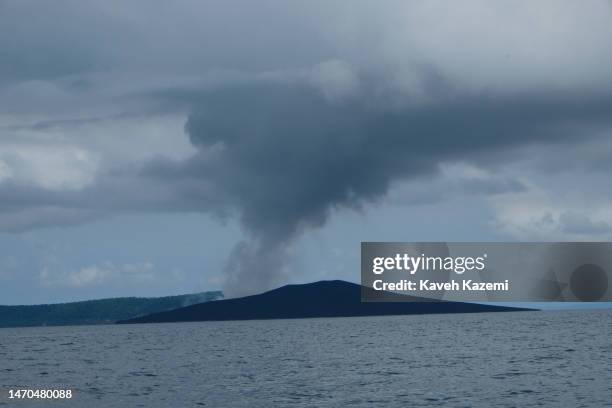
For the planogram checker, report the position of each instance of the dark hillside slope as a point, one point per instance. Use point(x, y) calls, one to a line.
point(319, 299)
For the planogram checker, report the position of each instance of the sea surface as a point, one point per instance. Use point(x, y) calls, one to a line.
point(529, 359)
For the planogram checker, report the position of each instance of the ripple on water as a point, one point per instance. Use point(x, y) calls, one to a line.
point(515, 359)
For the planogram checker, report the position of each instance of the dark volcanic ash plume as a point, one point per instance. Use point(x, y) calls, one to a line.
point(283, 155)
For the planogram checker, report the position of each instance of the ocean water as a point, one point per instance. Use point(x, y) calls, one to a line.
point(550, 359)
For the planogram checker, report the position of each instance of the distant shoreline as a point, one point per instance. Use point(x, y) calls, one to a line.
point(319, 299)
point(96, 312)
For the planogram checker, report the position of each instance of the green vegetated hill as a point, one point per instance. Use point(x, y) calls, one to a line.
point(101, 311)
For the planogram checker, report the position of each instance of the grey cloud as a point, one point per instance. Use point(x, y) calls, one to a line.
point(476, 44)
point(284, 156)
point(68, 39)
point(493, 186)
point(576, 223)
point(423, 191)
point(281, 156)
point(40, 216)
point(28, 207)
point(294, 136)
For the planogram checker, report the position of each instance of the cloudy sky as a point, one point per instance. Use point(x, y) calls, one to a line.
point(152, 148)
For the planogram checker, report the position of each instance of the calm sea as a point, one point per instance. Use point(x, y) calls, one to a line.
point(551, 359)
